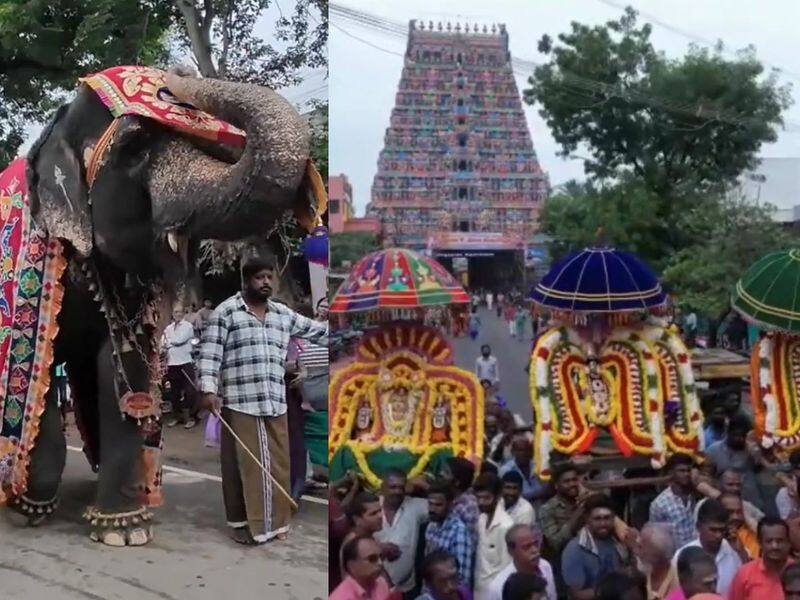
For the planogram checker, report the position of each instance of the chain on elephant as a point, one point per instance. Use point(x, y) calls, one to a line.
point(134, 340)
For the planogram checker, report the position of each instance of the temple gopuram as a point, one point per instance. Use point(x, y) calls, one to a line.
point(458, 175)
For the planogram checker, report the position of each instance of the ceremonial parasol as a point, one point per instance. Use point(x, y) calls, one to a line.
point(769, 292)
point(600, 280)
point(397, 278)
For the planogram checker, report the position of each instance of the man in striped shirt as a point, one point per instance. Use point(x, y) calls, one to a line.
point(242, 367)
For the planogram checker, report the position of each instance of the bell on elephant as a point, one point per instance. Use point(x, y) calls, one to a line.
point(404, 405)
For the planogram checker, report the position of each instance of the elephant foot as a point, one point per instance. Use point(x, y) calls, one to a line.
point(130, 528)
point(36, 511)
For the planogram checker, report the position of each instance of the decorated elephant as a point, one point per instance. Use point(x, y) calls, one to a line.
point(101, 223)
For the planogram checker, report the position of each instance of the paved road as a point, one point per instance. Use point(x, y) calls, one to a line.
point(512, 355)
point(190, 557)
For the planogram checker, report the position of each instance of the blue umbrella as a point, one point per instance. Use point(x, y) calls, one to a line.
point(601, 280)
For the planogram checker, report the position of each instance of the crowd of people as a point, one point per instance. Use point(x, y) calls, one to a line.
point(508, 306)
point(725, 524)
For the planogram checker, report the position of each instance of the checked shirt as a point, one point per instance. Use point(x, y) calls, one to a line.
point(453, 536)
point(677, 514)
point(243, 360)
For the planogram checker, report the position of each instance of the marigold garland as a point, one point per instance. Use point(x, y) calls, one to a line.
point(637, 366)
point(774, 382)
point(404, 355)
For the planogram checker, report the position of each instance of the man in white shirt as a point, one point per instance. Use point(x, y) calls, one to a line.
point(402, 518)
point(177, 342)
point(486, 366)
point(520, 510)
point(712, 526)
point(492, 554)
point(524, 544)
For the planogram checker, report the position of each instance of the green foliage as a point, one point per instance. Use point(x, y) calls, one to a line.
point(221, 35)
point(706, 249)
point(732, 235)
point(701, 117)
point(45, 46)
point(667, 141)
point(319, 139)
point(621, 215)
point(351, 247)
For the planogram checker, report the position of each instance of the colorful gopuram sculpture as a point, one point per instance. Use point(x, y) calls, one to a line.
point(458, 156)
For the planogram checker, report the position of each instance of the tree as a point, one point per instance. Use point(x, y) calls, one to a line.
point(220, 35)
point(618, 214)
point(46, 46)
point(700, 119)
point(319, 140)
point(351, 247)
point(668, 140)
point(719, 238)
point(735, 233)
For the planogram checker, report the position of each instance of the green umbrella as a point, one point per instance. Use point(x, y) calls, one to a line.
point(769, 293)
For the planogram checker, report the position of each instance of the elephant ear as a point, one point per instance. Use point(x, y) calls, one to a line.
point(59, 193)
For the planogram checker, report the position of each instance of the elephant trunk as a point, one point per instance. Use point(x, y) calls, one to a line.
point(197, 195)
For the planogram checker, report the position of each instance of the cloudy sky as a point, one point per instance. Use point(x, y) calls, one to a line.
point(365, 65)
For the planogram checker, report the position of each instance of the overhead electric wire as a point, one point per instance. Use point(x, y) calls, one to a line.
point(524, 67)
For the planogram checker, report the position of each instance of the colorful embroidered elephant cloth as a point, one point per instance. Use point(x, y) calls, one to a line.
point(143, 91)
point(30, 299)
point(31, 266)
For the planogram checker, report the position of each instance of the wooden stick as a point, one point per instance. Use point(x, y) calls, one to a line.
point(253, 456)
point(246, 449)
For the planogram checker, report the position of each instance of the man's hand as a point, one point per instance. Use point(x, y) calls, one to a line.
point(736, 544)
point(631, 539)
point(210, 402)
point(419, 484)
point(390, 552)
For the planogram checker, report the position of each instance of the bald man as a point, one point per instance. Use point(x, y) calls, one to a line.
point(654, 558)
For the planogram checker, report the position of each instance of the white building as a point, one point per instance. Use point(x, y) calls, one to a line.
point(775, 181)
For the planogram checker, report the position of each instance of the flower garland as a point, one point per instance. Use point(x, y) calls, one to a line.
point(675, 358)
point(541, 397)
point(353, 392)
point(635, 417)
point(422, 368)
point(790, 435)
point(651, 399)
point(768, 418)
point(775, 381)
point(360, 451)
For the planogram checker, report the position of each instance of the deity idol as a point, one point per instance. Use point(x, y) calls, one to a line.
point(403, 404)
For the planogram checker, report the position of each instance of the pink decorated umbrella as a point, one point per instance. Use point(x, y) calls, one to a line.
point(397, 279)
